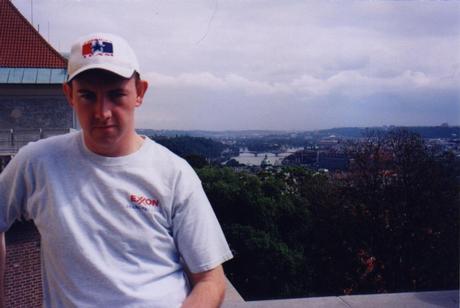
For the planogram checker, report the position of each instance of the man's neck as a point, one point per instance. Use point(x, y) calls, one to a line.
point(121, 147)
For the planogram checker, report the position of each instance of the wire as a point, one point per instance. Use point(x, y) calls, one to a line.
point(216, 7)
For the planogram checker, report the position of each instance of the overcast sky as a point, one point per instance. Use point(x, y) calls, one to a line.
point(282, 65)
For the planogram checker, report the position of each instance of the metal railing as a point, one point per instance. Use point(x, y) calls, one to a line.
point(11, 140)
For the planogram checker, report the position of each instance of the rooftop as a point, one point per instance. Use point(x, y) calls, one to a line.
point(22, 45)
point(10, 75)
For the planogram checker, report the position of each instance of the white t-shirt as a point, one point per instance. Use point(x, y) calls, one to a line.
point(114, 230)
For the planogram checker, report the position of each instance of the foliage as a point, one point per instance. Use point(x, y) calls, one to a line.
point(389, 224)
point(233, 163)
point(198, 146)
point(406, 200)
point(196, 161)
point(264, 221)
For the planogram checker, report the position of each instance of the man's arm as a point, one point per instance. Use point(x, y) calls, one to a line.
point(2, 269)
point(208, 289)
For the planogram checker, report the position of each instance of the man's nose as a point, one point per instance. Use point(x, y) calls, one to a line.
point(103, 108)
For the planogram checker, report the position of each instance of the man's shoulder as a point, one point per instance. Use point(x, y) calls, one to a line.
point(162, 153)
point(163, 156)
point(48, 146)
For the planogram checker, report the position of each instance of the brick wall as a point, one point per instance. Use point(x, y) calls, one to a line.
point(23, 284)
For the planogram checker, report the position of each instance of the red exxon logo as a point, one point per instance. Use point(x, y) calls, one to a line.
point(144, 201)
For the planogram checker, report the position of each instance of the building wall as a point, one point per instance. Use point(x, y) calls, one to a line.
point(30, 112)
point(30, 107)
point(43, 110)
point(23, 282)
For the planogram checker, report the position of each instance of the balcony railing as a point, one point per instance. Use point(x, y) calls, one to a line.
point(11, 140)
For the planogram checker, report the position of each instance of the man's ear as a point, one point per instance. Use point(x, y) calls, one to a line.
point(67, 89)
point(141, 87)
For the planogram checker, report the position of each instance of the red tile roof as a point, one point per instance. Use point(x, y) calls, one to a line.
point(21, 45)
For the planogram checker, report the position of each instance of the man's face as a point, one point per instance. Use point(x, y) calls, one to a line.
point(105, 104)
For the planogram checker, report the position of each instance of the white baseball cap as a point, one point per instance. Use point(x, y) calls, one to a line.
point(102, 51)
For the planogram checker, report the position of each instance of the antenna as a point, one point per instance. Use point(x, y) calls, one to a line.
point(31, 13)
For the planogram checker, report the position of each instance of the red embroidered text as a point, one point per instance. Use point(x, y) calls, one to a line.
point(140, 200)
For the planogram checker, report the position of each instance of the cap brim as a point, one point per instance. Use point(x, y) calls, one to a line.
point(121, 71)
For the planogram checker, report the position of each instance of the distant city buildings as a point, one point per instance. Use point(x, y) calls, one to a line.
point(328, 153)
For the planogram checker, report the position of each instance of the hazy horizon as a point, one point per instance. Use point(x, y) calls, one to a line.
point(300, 131)
point(278, 65)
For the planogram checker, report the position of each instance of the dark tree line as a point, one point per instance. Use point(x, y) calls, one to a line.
point(406, 199)
point(389, 224)
point(195, 149)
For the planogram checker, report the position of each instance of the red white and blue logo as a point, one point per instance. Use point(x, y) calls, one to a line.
point(97, 47)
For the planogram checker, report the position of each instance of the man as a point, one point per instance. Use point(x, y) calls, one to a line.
point(122, 220)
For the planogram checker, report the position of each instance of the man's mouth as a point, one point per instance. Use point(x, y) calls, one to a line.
point(102, 127)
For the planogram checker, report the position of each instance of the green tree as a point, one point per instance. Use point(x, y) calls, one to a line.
point(186, 146)
point(390, 224)
point(405, 201)
point(264, 222)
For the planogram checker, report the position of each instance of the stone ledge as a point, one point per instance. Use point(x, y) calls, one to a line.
point(444, 299)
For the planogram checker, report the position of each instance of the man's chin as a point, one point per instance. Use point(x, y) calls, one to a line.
point(103, 137)
point(104, 130)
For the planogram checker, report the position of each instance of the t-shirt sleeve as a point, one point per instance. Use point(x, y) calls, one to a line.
point(197, 233)
point(12, 192)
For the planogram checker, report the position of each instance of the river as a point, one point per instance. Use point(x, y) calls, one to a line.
point(249, 159)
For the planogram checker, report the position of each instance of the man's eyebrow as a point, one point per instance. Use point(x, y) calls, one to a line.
point(120, 89)
point(115, 89)
point(83, 90)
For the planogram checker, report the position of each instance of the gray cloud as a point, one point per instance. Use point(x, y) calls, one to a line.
point(279, 64)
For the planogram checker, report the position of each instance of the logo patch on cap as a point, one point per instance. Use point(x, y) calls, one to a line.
point(97, 47)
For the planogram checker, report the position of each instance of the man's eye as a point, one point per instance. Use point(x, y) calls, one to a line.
point(118, 94)
point(87, 96)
